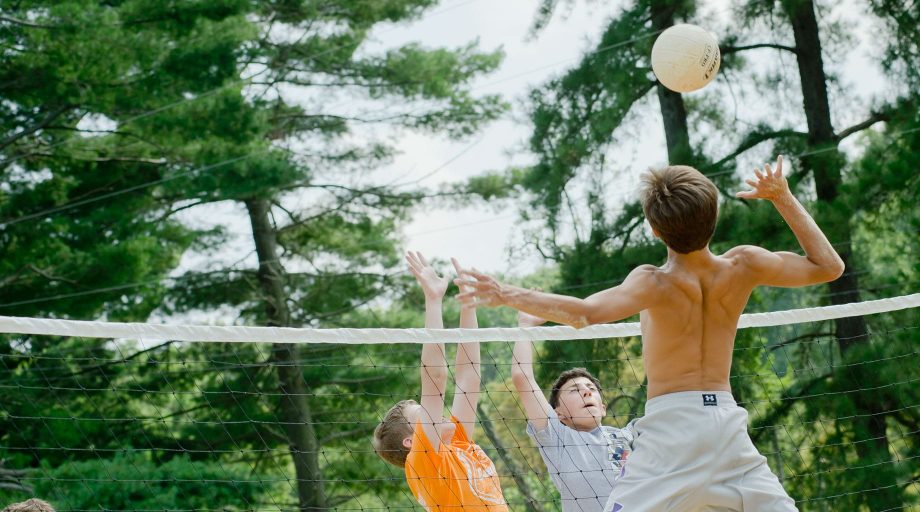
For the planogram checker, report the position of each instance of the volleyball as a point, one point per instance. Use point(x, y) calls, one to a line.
point(686, 57)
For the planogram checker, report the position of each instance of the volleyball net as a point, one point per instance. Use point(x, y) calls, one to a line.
point(101, 415)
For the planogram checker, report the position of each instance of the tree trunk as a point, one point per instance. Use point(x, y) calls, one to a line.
point(295, 408)
point(673, 112)
point(871, 416)
point(517, 474)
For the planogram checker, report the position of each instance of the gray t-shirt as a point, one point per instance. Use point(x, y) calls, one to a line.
point(584, 466)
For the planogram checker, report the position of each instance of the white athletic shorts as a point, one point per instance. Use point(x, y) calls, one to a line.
point(692, 453)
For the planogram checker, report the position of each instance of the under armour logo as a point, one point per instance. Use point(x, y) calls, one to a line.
point(709, 399)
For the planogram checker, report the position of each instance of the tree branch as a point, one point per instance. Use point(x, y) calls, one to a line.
point(11, 479)
point(15, 487)
point(149, 161)
point(8, 280)
point(728, 50)
point(531, 504)
point(351, 382)
point(754, 139)
point(800, 338)
point(169, 213)
point(117, 132)
point(876, 117)
point(335, 500)
point(51, 116)
point(48, 275)
point(110, 363)
point(363, 429)
point(24, 23)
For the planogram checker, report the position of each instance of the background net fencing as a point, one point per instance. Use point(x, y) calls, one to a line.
point(106, 416)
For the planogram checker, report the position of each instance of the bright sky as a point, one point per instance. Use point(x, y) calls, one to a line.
point(486, 237)
point(482, 237)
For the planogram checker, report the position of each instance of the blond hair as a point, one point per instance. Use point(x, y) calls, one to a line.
point(681, 205)
point(33, 505)
point(390, 433)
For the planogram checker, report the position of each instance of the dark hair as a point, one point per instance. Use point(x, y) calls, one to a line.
point(681, 205)
point(568, 375)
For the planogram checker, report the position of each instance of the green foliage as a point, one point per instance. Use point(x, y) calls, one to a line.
point(118, 115)
point(817, 436)
point(110, 424)
point(132, 481)
point(902, 53)
point(575, 116)
point(63, 71)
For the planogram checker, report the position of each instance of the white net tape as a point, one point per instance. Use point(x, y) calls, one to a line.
point(146, 331)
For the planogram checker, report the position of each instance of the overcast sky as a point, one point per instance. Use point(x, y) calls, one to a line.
point(477, 236)
point(484, 237)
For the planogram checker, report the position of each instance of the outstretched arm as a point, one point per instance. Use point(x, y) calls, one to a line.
point(467, 377)
point(821, 262)
point(534, 401)
point(434, 363)
point(637, 292)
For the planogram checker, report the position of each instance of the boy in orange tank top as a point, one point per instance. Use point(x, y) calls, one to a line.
point(445, 470)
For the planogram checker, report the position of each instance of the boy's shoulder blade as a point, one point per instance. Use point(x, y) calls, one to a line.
point(744, 251)
point(646, 272)
point(647, 278)
point(751, 256)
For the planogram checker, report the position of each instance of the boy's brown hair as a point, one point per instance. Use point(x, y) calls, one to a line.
point(389, 435)
point(568, 375)
point(681, 205)
point(33, 505)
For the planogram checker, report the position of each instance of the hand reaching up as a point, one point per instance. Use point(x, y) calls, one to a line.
point(477, 288)
point(433, 285)
point(465, 304)
point(770, 184)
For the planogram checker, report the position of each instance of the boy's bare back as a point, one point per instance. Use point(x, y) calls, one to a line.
point(688, 333)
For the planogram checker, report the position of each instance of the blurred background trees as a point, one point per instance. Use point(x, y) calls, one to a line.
point(123, 121)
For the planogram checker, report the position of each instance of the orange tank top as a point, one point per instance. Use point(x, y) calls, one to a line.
point(459, 477)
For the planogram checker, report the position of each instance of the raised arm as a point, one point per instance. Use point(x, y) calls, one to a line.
point(536, 407)
point(434, 363)
point(821, 262)
point(467, 376)
point(637, 292)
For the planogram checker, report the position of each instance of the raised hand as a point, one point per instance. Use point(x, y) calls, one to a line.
point(465, 304)
point(478, 289)
point(770, 184)
point(433, 285)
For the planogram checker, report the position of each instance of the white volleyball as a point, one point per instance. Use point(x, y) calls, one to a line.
point(686, 57)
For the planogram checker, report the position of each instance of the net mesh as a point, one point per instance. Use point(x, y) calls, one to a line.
point(119, 424)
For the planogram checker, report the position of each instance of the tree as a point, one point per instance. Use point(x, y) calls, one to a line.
point(84, 227)
point(226, 101)
point(339, 238)
point(576, 119)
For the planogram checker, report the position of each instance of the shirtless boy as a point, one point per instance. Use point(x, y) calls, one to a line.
point(692, 450)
